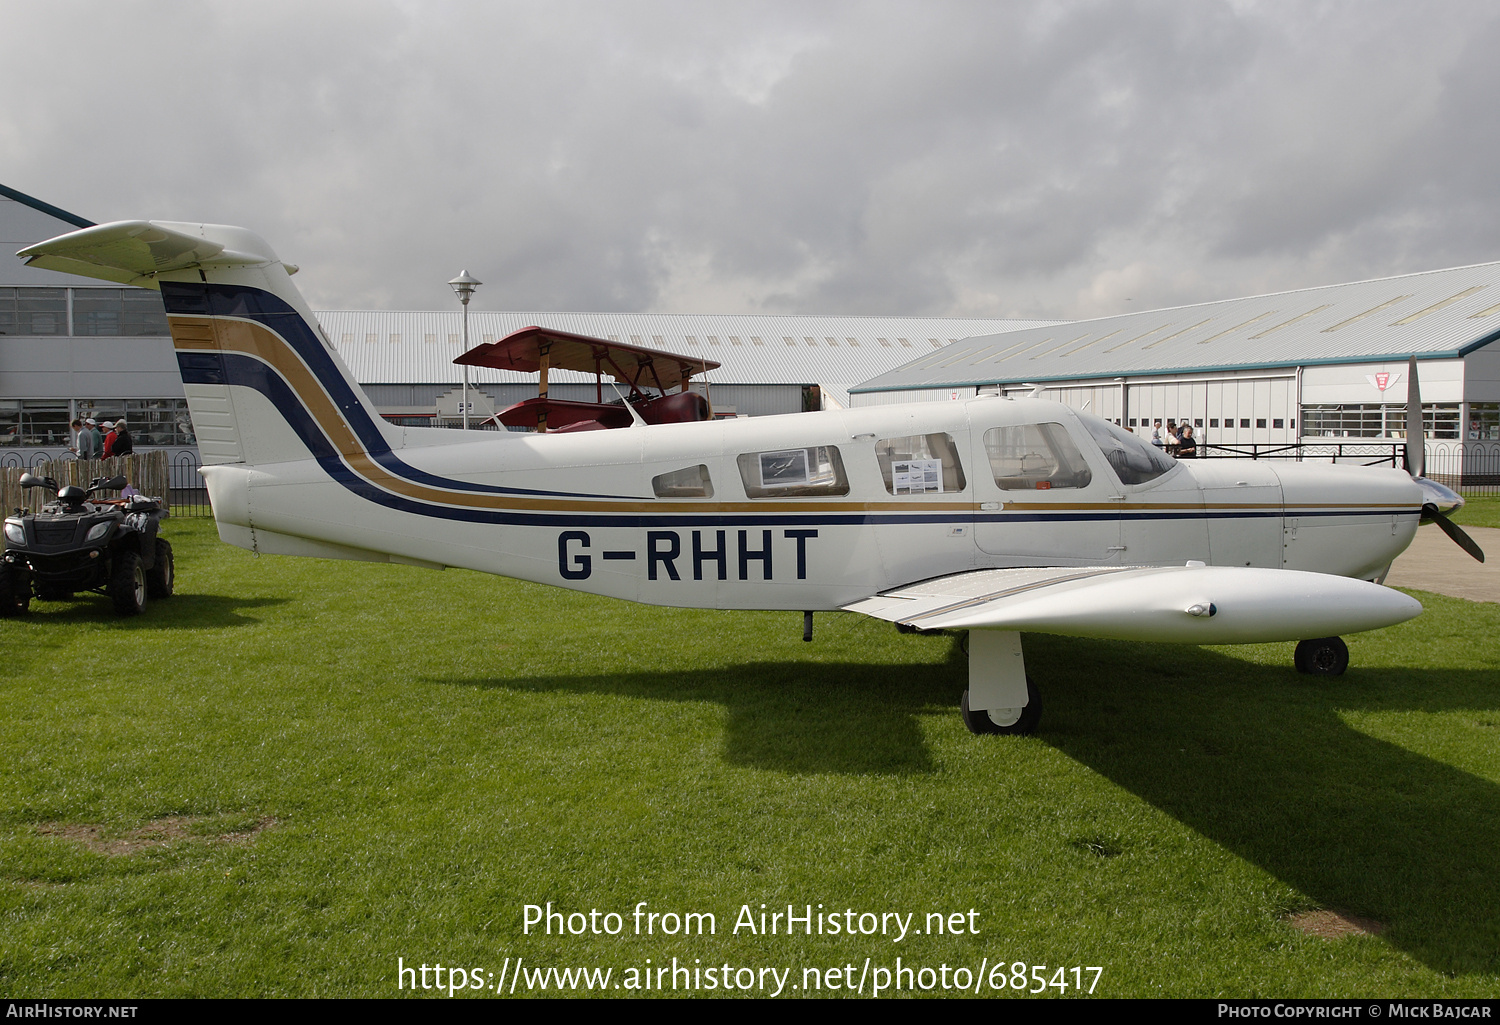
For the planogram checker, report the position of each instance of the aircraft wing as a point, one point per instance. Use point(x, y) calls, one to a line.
point(633, 364)
point(1190, 604)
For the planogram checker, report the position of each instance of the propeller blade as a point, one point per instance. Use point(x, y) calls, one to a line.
point(1416, 445)
point(1453, 530)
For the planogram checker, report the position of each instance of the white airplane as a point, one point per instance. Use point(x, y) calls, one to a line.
point(992, 515)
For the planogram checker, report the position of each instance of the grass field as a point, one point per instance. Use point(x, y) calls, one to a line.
point(1480, 511)
point(296, 772)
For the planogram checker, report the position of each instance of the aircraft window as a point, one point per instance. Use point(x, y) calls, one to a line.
point(1133, 460)
point(794, 472)
point(1035, 457)
point(689, 482)
point(919, 464)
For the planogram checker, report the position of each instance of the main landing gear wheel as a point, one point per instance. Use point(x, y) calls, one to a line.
point(1004, 721)
point(127, 586)
point(1326, 656)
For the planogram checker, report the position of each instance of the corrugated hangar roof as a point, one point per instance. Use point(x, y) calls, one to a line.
point(832, 352)
point(1440, 313)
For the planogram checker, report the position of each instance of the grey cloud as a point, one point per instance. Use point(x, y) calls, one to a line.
point(1041, 160)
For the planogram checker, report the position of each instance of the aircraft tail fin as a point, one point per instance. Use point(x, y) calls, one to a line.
point(263, 383)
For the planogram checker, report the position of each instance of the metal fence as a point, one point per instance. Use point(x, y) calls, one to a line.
point(1470, 467)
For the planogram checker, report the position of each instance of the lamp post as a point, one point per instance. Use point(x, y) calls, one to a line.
point(464, 286)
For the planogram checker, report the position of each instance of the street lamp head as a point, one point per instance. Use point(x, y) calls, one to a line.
point(464, 286)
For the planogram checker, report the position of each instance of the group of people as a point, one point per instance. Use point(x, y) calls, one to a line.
point(1178, 441)
point(92, 443)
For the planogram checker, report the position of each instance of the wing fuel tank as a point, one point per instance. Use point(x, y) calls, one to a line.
point(1179, 604)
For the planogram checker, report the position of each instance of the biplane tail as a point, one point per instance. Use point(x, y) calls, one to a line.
point(263, 384)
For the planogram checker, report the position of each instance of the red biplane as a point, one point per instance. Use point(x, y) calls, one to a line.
point(539, 349)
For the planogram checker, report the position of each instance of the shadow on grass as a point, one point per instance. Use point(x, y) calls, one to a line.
point(791, 717)
point(180, 612)
point(1260, 761)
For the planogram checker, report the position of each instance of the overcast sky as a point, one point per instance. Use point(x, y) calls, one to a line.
point(988, 159)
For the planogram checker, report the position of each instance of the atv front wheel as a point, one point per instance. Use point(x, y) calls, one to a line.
point(15, 589)
point(127, 584)
point(162, 577)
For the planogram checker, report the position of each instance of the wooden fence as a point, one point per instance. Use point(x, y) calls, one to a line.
point(148, 473)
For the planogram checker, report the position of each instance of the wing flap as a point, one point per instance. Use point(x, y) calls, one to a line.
point(1191, 604)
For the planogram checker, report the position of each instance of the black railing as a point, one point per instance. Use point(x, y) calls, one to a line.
point(1472, 467)
point(1365, 453)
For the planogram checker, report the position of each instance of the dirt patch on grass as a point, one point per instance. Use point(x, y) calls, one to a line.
point(1332, 925)
point(156, 833)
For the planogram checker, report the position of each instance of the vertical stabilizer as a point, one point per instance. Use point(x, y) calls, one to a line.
point(263, 385)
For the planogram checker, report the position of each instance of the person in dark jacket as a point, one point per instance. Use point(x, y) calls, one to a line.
point(1187, 445)
point(124, 444)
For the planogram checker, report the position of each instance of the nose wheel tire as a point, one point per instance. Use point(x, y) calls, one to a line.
point(1326, 656)
point(1004, 721)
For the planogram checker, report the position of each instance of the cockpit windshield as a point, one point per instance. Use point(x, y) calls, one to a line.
point(1133, 461)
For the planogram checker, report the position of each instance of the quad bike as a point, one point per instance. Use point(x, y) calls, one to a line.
point(81, 543)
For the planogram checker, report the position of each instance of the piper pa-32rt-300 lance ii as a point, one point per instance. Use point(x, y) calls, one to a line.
point(991, 515)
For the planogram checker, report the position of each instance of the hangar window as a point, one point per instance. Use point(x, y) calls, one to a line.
point(1133, 460)
point(430, 338)
point(817, 470)
point(690, 482)
point(1245, 422)
point(395, 338)
point(1368, 420)
point(852, 342)
point(38, 311)
point(128, 312)
point(1484, 421)
point(919, 464)
point(1035, 457)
